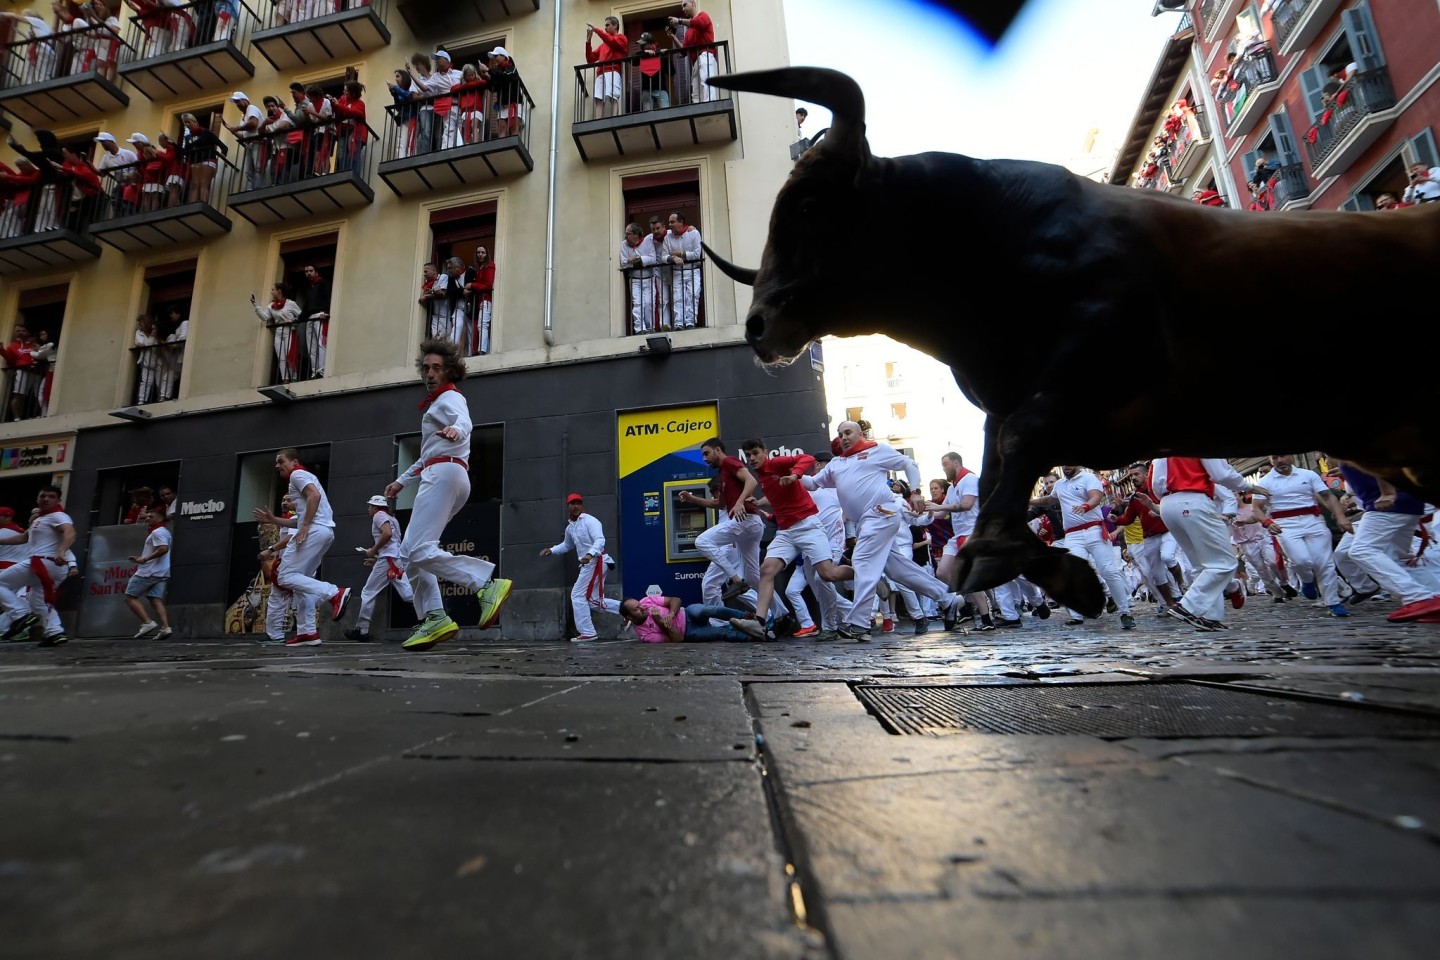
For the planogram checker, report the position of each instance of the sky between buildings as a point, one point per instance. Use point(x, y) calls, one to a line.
point(1067, 72)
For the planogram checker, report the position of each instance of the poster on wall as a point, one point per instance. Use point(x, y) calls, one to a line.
point(659, 457)
point(108, 567)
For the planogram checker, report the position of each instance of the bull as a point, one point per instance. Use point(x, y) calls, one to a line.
point(1026, 279)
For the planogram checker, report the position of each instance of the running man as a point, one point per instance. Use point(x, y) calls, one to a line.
point(383, 559)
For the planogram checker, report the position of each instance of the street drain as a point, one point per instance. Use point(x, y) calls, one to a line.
point(1118, 710)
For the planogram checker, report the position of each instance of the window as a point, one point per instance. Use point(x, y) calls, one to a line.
point(854, 413)
point(893, 377)
point(465, 312)
point(30, 352)
point(157, 339)
point(300, 342)
point(258, 484)
point(897, 411)
point(671, 296)
point(120, 493)
point(1391, 178)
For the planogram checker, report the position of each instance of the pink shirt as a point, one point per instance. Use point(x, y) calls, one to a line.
point(649, 631)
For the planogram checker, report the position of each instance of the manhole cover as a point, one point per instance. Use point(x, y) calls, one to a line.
point(1128, 710)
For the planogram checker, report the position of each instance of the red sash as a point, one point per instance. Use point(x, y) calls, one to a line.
point(42, 573)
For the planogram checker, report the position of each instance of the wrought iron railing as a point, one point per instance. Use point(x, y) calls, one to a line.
point(1209, 10)
point(307, 151)
point(665, 296)
point(1194, 128)
point(152, 186)
point(52, 203)
point(157, 371)
point(1255, 70)
point(167, 29)
point(1360, 96)
point(1285, 16)
point(27, 390)
point(299, 349)
point(468, 321)
point(288, 12)
point(67, 53)
point(461, 117)
point(642, 83)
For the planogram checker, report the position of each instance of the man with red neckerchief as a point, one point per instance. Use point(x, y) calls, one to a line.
point(740, 527)
point(860, 474)
point(386, 568)
point(1078, 494)
point(443, 470)
point(152, 575)
point(50, 536)
point(586, 537)
point(314, 532)
point(20, 356)
point(1297, 500)
point(1150, 553)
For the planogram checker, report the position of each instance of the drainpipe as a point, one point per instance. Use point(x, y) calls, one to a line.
point(550, 201)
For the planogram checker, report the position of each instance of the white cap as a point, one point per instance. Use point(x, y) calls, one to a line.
point(441, 53)
point(105, 138)
point(378, 501)
point(137, 138)
point(237, 96)
point(498, 52)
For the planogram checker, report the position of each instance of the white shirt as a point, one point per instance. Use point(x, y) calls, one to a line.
point(447, 410)
point(13, 552)
point(585, 536)
point(1072, 493)
point(962, 522)
point(378, 523)
point(1295, 492)
point(1425, 189)
point(288, 313)
point(862, 480)
point(687, 245)
point(119, 158)
point(628, 253)
point(300, 480)
point(158, 566)
point(1219, 471)
point(832, 519)
point(45, 533)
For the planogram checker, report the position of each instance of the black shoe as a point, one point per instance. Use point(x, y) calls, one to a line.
point(733, 589)
point(852, 632)
point(950, 616)
point(784, 627)
point(1002, 622)
point(985, 625)
point(1206, 625)
point(1075, 622)
point(357, 636)
point(1110, 606)
point(54, 640)
point(1042, 611)
point(1185, 616)
point(21, 625)
point(920, 626)
point(1360, 596)
point(1127, 622)
point(1279, 599)
point(1290, 592)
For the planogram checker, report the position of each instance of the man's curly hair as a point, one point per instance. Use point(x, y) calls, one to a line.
point(449, 352)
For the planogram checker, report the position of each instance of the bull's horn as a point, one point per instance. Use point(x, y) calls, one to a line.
point(738, 274)
point(829, 88)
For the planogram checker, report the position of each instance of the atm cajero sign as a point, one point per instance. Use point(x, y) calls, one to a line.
point(201, 510)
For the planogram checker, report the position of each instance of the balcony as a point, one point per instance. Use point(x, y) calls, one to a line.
point(1363, 109)
point(132, 220)
point(313, 32)
point(1290, 189)
point(26, 392)
point(157, 371)
point(299, 350)
point(193, 49)
point(665, 110)
point(1216, 14)
point(48, 230)
point(65, 77)
point(465, 137)
point(1297, 22)
point(1190, 143)
point(1259, 85)
point(443, 19)
point(305, 172)
point(467, 322)
point(664, 297)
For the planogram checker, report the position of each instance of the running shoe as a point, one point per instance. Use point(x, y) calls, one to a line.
point(22, 625)
point(304, 640)
point(54, 640)
point(492, 597)
point(145, 630)
point(809, 631)
point(339, 602)
point(437, 627)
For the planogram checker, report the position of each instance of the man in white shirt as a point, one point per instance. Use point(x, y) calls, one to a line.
point(1294, 513)
point(50, 536)
point(1079, 494)
point(683, 252)
point(252, 118)
point(151, 578)
point(386, 566)
point(962, 505)
point(585, 537)
point(314, 532)
point(637, 261)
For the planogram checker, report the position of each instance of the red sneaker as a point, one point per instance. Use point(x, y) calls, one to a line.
point(887, 625)
point(339, 602)
point(304, 640)
point(1419, 610)
point(809, 631)
point(1237, 599)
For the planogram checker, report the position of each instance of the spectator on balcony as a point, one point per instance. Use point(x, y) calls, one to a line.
point(141, 499)
point(509, 98)
point(172, 355)
point(353, 131)
point(447, 311)
point(152, 173)
point(117, 167)
point(46, 212)
point(154, 20)
point(169, 151)
point(227, 13)
point(653, 67)
point(1387, 201)
point(1208, 197)
point(85, 192)
point(34, 62)
point(76, 47)
point(317, 110)
point(281, 314)
point(426, 86)
point(105, 43)
point(21, 357)
point(699, 34)
point(447, 118)
point(202, 150)
point(428, 278)
point(147, 359)
point(277, 155)
point(1263, 174)
point(639, 273)
point(652, 248)
point(403, 92)
point(316, 310)
point(470, 97)
point(682, 249)
point(247, 132)
point(614, 47)
point(182, 24)
point(1424, 184)
point(481, 284)
point(21, 186)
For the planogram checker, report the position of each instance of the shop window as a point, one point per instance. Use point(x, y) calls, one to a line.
point(121, 493)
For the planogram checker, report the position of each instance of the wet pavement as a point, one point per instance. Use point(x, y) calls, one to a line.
point(495, 798)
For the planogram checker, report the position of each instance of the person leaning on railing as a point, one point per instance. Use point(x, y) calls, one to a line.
point(280, 315)
point(352, 130)
point(86, 192)
point(202, 150)
point(407, 113)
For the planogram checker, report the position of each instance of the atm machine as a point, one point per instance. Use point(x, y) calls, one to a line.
point(685, 521)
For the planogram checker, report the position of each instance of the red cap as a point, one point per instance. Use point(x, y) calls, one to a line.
point(574, 498)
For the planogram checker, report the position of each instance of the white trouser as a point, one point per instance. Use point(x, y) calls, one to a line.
point(1202, 533)
point(1091, 542)
point(1310, 552)
point(21, 575)
point(487, 314)
point(444, 488)
point(282, 600)
point(685, 286)
point(877, 553)
point(712, 587)
point(1007, 600)
point(1380, 540)
point(1353, 573)
point(745, 536)
point(795, 593)
point(588, 593)
point(1259, 556)
point(375, 585)
point(298, 564)
point(145, 392)
point(643, 305)
point(706, 66)
point(1149, 557)
point(834, 607)
point(315, 344)
point(283, 339)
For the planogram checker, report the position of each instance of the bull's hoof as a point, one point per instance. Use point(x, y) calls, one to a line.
point(982, 572)
point(1068, 579)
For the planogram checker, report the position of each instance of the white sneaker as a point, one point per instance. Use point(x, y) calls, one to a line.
point(586, 639)
point(146, 629)
point(163, 633)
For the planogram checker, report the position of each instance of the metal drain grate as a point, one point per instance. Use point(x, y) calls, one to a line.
point(1114, 710)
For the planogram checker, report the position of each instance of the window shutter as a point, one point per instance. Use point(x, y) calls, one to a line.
point(1284, 137)
point(1422, 145)
point(1353, 204)
point(1247, 164)
point(1364, 38)
point(1312, 81)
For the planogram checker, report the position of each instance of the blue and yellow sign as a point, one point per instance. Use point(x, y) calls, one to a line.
point(659, 457)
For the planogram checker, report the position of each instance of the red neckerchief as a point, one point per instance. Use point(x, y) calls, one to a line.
point(577, 516)
point(435, 394)
point(298, 466)
point(278, 304)
point(682, 231)
point(58, 508)
point(316, 279)
point(962, 473)
point(154, 526)
point(859, 447)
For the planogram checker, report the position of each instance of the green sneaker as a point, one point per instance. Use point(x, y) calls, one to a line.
point(435, 628)
point(492, 597)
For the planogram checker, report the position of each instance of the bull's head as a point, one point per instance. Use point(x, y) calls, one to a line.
point(807, 274)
